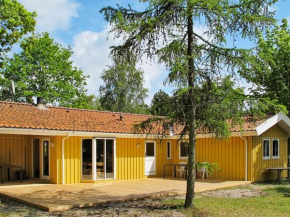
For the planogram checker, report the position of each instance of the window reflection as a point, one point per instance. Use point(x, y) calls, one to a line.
point(105, 153)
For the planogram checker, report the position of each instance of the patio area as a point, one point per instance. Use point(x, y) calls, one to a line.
point(49, 197)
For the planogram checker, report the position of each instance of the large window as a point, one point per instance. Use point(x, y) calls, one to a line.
point(275, 148)
point(98, 153)
point(168, 150)
point(183, 150)
point(87, 159)
point(266, 148)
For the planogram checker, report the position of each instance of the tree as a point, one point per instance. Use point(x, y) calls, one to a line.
point(165, 30)
point(93, 102)
point(43, 69)
point(15, 21)
point(123, 90)
point(160, 104)
point(270, 70)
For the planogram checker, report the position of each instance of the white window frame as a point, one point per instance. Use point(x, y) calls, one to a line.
point(266, 157)
point(94, 144)
point(181, 157)
point(168, 142)
point(276, 157)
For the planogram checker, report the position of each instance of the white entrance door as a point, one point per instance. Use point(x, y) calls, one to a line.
point(150, 158)
point(45, 159)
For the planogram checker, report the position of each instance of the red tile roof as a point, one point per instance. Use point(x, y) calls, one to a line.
point(28, 116)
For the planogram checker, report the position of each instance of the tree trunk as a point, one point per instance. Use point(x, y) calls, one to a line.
point(191, 117)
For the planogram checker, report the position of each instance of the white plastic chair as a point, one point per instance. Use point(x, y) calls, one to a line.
point(182, 169)
point(203, 170)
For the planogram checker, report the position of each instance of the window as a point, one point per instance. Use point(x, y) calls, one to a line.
point(150, 149)
point(266, 148)
point(101, 154)
point(87, 159)
point(183, 150)
point(168, 150)
point(275, 148)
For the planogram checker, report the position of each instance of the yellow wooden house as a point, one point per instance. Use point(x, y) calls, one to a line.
point(63, 145)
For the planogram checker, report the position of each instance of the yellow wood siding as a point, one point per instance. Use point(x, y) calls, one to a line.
point(130, 159)
point(260, 173)
point(72, 163)
point(130, 156)
point(54, 157)
point(229, 154)
point(14, 150)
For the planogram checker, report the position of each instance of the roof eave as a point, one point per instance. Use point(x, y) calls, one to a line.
point(282, 120)
point(44, 132)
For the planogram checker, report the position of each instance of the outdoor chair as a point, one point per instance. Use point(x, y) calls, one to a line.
point(181, 170)
point(203, 170)
point(87, 169)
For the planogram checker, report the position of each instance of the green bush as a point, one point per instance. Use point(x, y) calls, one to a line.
point(209, 167)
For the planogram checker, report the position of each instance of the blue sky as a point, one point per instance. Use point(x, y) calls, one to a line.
point(79, 24)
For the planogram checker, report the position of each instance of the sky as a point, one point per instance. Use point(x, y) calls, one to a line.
point(78, 23)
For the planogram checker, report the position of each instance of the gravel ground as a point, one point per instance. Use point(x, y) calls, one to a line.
point(242, 192)
point(148, 207)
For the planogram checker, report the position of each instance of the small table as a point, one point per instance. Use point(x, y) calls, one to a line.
point(174, 170)
point(279, 170)
point(2, 167)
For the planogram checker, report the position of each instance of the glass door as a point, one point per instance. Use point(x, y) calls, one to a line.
point(110, 159)
point(105, 158)
point(100, 158)
point(45, 159)
point(99, 154)
point(36, 161)
point(87, 159)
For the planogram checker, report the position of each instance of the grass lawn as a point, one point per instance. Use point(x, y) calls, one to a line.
point(273, 201)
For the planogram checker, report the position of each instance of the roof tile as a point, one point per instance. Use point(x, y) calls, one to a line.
point(28, 116)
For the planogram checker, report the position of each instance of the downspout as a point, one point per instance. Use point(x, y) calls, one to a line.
point(246, 163)
point(62, 156)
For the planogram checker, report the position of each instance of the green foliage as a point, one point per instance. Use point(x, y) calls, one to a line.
point(15, 21)
point(161, 104)
point(93, 102)
point(43, 68)
point(269, 66)
point(216, 102)
point(209, 167)
point(123, 90)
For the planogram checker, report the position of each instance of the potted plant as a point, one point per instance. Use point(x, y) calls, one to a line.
point(209, 167)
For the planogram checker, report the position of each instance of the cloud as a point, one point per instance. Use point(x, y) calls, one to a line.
point(52, 15)
point(91, 54)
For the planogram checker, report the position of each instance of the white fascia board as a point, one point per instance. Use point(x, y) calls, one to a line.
point(273, 121)
point(38, 132)
point(209, 135)
point(22, 131)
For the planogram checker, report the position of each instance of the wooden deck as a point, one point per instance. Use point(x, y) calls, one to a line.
point(51, 198)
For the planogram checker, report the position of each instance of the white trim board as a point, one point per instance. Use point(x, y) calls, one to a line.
point(282, 120)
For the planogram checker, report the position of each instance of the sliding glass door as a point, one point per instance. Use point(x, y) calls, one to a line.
point(110, 159)
point(87, 159)
point(99, 154)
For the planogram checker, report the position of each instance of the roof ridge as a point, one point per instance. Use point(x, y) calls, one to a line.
point(19, 103)
point(100, 111)
point(78, 109)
